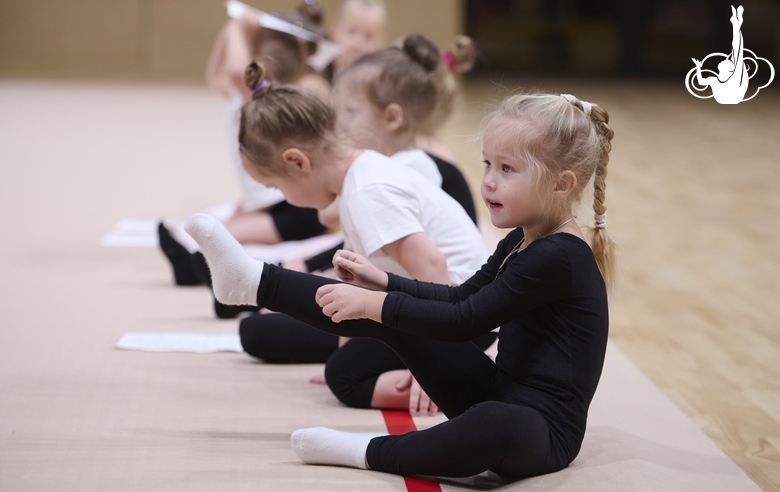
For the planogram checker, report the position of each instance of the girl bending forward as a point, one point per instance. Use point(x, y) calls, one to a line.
point(524, 414)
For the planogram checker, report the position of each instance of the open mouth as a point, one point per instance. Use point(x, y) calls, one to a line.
point(492, 204)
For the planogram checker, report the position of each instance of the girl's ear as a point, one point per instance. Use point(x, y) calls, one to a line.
point(566, 183)
point(393, 117)
point(296, 161)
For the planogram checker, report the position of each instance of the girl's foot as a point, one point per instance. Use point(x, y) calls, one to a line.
point(235, 275)
point(224, 311)
point(323, 446)
point(180, 258)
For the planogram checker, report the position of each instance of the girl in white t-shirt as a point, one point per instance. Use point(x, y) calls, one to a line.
point(390, 213)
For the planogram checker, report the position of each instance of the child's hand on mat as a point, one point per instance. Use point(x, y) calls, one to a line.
point(353, 268)
point(341, 302)
point(419, 402)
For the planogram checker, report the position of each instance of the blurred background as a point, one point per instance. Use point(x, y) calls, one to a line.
point(104, 115)
point(169, 40)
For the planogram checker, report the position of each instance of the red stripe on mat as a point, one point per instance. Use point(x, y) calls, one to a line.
point(400, 422)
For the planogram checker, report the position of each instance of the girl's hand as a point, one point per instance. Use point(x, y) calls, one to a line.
point(419, 402)
point(354, 269)
point(342, 302)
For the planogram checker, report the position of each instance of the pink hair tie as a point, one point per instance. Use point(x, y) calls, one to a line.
point(262, 84)
point(450, 60)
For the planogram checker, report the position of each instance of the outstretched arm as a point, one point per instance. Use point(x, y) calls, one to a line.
point(531, 280)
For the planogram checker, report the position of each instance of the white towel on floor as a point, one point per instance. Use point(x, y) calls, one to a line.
point(179, 342)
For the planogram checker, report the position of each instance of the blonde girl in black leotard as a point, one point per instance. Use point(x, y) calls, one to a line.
point(524, 414)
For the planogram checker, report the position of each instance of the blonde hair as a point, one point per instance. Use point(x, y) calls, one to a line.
point(413, 75)
point(555, 135)
point(279, 114)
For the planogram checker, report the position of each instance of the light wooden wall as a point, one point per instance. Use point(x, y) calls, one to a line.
point(158, 39)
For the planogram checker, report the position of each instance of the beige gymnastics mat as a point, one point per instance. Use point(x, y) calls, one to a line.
point(76, 414)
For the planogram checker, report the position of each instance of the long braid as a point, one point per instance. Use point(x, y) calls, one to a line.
point(603, 246)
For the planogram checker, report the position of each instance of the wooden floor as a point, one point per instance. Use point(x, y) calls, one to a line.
point(693, 195)
point(694, 202)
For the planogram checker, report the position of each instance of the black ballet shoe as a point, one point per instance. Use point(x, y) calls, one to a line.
point(201, 268)
point(224, 311)
point(183, 273)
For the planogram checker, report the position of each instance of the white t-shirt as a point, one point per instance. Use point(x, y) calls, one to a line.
point(421, 162)
point(382, 202)
point(254, 196)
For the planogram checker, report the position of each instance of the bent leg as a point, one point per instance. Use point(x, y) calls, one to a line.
point(281, 339)
point(456, 375)
point(511, 440)
point(354, 371)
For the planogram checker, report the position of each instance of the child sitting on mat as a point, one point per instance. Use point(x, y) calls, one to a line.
point(524, 414)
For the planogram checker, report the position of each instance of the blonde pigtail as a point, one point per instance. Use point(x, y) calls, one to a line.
point(603, 246)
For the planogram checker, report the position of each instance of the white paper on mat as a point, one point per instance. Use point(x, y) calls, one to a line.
point(179, 342)
point(132, 233)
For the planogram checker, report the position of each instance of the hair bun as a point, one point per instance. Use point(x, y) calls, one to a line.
point(422, 51)
point(253, 75)
point(312, 12)
point(463, 54)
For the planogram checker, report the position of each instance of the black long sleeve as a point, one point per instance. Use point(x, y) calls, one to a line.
point(440, 292)
point(537, 276)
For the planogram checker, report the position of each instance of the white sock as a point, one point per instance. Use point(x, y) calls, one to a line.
point(323, 446)
point(235, 275)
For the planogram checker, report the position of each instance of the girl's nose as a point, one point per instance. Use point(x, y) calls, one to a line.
point(488, 183)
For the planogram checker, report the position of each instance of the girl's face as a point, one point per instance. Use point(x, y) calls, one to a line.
point(300, 188)
point(360, 30)
point(356, 117)
point(509, 184)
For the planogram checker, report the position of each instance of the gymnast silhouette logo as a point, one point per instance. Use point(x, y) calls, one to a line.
point(730, 84)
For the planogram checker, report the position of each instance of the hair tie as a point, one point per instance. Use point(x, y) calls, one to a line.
point(586, 106)
point(261, 84)
point(449, 58)
point(601, 220)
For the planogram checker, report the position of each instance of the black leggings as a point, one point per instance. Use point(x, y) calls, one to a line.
point(281, 339)
point(353, 370)
point(296, 223)
point(485, 432)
